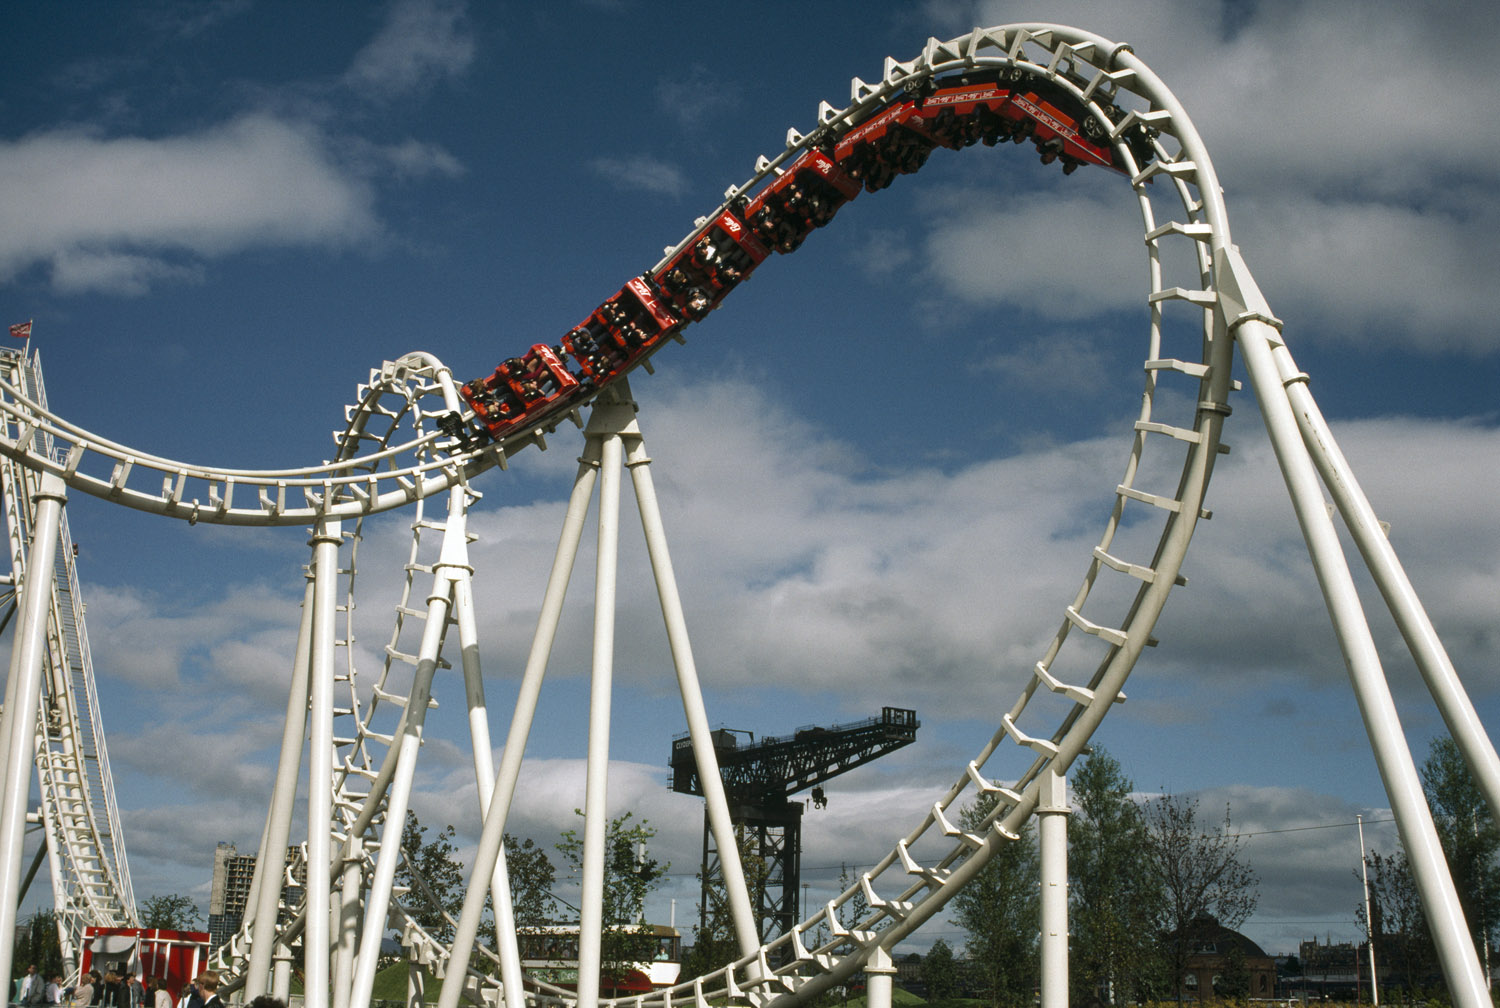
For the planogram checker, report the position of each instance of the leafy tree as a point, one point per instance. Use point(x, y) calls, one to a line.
point(1116, 901)
point(37, 945)
point(173, 912)
point(1233, 981)
point(1200, 872)
point(442, 896)
point(1398, 923)
point(999, 911)
point(531, 877)
point(630, 875)
point(714, 940)
point(940, 972)
point(530, 874)
point(1470, 840)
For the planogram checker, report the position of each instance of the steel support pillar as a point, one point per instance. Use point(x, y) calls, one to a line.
point(315, 939)
point(23, 693)
point(266, 883)
point(1455, 948)
point(612, 437)
point(1052, 832)
point(880, 973)
point(591, 900)
point(493, 833)
point(1301, 451)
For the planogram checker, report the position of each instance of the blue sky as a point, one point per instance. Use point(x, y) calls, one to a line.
point(882, 461)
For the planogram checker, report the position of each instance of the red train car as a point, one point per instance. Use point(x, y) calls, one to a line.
point(804, 196)
point(622, 329)
point(698, 277)
point(521, 389)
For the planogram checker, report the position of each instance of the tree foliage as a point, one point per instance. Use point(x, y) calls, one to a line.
point(439, 893)
point(1470, 840)
point(531, 876)
point(1201, 874)
point(714, 940)
point(1397, 923)
point(172, 912)
point(1115, 898)
point(630, 875)
point(37, 945)
point(998, 910)
point(940, 973)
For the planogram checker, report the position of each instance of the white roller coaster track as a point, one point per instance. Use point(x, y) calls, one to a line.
point(84, 844)
point(1201, 302)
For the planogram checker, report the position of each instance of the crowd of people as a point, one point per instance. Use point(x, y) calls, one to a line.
point(123, 990)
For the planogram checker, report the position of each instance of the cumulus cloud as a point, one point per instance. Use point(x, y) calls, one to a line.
point(118, 212)
point(642, 173)
point(1354, 211)
point(422, 42)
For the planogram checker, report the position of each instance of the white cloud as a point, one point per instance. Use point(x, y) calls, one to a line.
point(1065, 257)
point(643, 173)
point(114, 212)
point(422, 41)
point(1349, 181)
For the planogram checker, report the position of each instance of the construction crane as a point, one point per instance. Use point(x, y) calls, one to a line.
point(759, 779)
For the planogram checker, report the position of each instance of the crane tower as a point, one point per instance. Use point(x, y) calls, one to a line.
point(759, 779)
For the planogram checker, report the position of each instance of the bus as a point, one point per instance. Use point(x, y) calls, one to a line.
point(549, 954)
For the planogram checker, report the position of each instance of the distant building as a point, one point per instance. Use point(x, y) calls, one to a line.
point(1340, 969)
point(230, 894)
point(1221, 959)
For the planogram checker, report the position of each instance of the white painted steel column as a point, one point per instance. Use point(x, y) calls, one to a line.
point(490, 838)
point(453, 556)
point(736, 889)
point(266, 883)
point(880, 972)
point(595, 812)
point(345, 923)
point(484, 777)
point(416, 984)
point(281, 973)
point(23, 694)
point(1052, 832)
point(1392, 757)
point(315, 947)
point(1364, 878)
point(1390, 577)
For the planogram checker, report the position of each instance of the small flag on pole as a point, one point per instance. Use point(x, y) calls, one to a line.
point(21, 330)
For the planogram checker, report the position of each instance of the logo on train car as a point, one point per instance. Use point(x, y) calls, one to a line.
point(1044, 117)
point(642, 291)
point(954, 97)
point(883, 119)
point(728, 223)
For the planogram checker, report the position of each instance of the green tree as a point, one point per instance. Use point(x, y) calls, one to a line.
point(1398, 924)
point(1233, 982)
point(37, 945)
point(999, 910)
point(714, 940)
point(1470, 840)
point(1201, 874)
point(940, 973)
point(530, 874)
point(172, 912)
point(531, 877)
point(434, 877)
point(630, 875)
point(1114, 894)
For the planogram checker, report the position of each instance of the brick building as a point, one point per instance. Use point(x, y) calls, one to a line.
point(1217, 955)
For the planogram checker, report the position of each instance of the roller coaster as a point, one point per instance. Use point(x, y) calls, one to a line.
point(415, 437)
